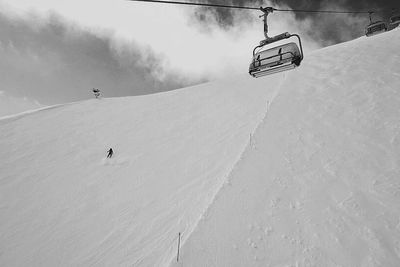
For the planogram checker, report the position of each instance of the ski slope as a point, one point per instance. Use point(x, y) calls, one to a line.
point(295, 169)
point(62, 203)
point(320, 186)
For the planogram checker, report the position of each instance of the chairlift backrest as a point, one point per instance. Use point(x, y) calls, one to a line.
point(288, 50)
point(284, 54)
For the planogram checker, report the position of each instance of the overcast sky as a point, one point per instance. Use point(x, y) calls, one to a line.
point(55, 51)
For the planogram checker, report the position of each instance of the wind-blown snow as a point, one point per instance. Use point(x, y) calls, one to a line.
point(294, 169)
point(321, 184)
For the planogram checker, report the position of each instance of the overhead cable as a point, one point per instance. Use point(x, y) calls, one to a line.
point(254, 8)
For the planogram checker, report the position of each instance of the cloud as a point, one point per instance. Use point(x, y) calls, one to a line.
point(325, 29)
point(124, 48)
point(56, 51)
point(55, 61)
point(335, 28)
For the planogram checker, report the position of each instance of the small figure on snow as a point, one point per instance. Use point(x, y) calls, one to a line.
point(110, 153)
point(96, 92)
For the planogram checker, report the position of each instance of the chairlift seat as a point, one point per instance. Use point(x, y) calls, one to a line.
point(276, 59)
point(375, 28)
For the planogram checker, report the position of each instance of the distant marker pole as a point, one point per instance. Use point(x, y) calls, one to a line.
point(179, 243)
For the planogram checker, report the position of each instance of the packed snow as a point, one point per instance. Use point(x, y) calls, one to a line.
point(320, 186)
point(63, 203)
point(295, 169)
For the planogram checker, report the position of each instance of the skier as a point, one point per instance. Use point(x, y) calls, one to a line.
point(110, 153)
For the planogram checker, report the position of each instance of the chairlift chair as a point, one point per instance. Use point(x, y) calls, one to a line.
point(375, 27)
point(276, 59)
point(395, 19)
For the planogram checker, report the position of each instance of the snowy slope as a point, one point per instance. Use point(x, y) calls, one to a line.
point(63, 204)
point(320, 185)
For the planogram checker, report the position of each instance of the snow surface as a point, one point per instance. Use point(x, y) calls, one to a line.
point(320, 186)
point(63, 203)
point(295, 169)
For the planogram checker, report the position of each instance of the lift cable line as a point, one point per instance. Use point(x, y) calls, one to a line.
point(322, 11)
point(196, 4)
point(253, 8)
point(282, 57)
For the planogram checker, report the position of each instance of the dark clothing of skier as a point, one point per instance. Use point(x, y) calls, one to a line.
point(110, 153)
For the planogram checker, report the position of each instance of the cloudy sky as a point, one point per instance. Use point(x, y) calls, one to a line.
point(55, 51)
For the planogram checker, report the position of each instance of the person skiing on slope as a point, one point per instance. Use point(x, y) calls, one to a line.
point(110, 153)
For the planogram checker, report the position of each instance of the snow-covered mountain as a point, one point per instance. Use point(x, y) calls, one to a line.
point(296, 169)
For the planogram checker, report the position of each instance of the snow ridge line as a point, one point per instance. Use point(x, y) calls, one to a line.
point(249, 146)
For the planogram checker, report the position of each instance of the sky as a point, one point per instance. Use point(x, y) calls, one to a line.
point(56, 51)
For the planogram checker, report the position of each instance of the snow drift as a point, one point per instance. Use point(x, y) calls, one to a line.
point(315, 185)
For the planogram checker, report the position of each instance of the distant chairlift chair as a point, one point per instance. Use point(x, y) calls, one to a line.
point(395, 19)
point(376, 27)
point(276, 59)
